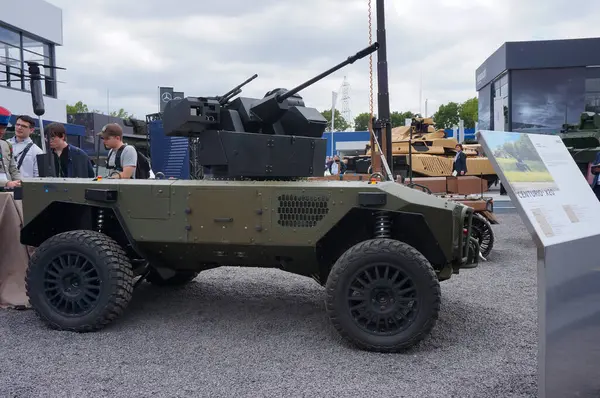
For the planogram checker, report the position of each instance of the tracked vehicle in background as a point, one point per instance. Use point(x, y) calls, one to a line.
point(422, 150)
point(379, 249)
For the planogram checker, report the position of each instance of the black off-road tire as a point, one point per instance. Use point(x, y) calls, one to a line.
point(415, 277)
point(179, 279)
point(482, 231)
point(57, 272)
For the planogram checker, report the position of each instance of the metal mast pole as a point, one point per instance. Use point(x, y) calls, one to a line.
point(383, 97)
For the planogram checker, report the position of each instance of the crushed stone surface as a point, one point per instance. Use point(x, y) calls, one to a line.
point(265, 333)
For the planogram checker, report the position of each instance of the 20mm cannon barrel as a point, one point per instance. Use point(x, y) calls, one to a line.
point(361, 54)
point(236, 90)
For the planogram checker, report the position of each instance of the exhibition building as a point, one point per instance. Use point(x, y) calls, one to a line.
point(30, 36)
point(537, 86)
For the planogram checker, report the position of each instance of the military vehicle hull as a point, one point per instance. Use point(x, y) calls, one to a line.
point(429, 161)
point(167, 231)
point(583, 141)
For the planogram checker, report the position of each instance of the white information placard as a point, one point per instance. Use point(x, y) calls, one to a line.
point(544, 178)
point(561, 210)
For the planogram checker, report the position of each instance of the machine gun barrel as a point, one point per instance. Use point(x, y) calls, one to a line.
point(236, 90)
point(361, 54)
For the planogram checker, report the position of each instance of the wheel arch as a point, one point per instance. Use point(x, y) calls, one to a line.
point(359, 225)
point(61, 216)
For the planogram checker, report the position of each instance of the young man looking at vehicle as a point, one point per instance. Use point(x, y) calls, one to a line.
point(64, 154)
point(112, 134)
point(24, 149)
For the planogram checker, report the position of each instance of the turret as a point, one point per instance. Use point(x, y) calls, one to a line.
point(275, 137)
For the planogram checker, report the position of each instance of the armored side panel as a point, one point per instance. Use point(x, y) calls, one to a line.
point(230, 120)
point(308, 122)
point(229, 154)
point(191, 116)
point(46, 167)
point(242, 105)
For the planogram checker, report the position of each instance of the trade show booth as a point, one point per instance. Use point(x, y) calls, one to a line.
point(537, 86)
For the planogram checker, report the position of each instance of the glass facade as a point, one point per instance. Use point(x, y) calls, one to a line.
point(16, 48)
point(494, 105)
point(539, 100)
point(500, 103)
point(484, 111)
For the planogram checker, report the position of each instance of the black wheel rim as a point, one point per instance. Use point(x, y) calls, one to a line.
point(382, 299)
point(72, 284)
point(482, 234)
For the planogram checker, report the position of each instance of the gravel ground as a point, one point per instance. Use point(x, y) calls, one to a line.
point(247, 332)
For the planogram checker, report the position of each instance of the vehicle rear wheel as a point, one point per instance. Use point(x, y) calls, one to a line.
point(180, 278)
point(383, 295)
point(79, 281)
point(481, 230)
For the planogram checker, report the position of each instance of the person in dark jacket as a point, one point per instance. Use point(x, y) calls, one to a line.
point(460, 162)
point(64, 152)
point(595, 185)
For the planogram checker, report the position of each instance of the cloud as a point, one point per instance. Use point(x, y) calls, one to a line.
point(129, 48)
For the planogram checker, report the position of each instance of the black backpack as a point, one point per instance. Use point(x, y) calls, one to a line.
point(142, 168)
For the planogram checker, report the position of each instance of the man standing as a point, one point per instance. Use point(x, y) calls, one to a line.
point(9, 174)
point(63, 153)
point(336, 167)
point(459, 166)
point(122, 158)
point(24, 148)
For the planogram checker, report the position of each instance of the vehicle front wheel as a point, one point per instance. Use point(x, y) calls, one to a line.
point(481, 230)
point(383, 295)
point(79, 281)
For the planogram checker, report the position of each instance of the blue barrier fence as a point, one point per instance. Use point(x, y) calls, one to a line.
point(169, 155)
point(469, 134)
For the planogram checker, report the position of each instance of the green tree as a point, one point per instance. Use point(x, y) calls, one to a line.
point(120, 113)
point(398, 118)
point(340, 124)
point(468, 112)
point(361, 121)
point(447, 116)
point(80, 107)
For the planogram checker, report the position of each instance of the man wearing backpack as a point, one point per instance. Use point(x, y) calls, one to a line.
point(123, 160)
point(24, 149)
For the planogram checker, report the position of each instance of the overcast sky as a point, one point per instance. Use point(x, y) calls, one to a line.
point(206, 47)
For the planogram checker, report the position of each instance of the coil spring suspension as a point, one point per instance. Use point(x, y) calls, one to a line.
point(383, 225)
point(100, 220)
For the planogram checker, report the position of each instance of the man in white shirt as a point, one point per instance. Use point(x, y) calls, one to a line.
point(24, 149)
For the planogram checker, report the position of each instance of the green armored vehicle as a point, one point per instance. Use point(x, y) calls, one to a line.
point(583, 139)
point(379, 248)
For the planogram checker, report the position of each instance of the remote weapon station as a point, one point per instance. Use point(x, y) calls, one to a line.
point(379, 248)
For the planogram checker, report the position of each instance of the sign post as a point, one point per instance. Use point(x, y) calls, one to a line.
point(562, 214)
point(167, 94)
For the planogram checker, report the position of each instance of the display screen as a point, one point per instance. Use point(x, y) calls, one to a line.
point(545, 99)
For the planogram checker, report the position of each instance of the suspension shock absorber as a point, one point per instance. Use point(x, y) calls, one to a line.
point(383, 225)
point(99, 219)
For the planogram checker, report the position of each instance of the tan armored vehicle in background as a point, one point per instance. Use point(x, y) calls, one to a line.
point(433, 153)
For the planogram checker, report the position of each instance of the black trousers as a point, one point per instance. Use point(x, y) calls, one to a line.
point(596, 190)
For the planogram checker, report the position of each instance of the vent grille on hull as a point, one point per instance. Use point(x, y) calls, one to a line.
point(301, 211)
